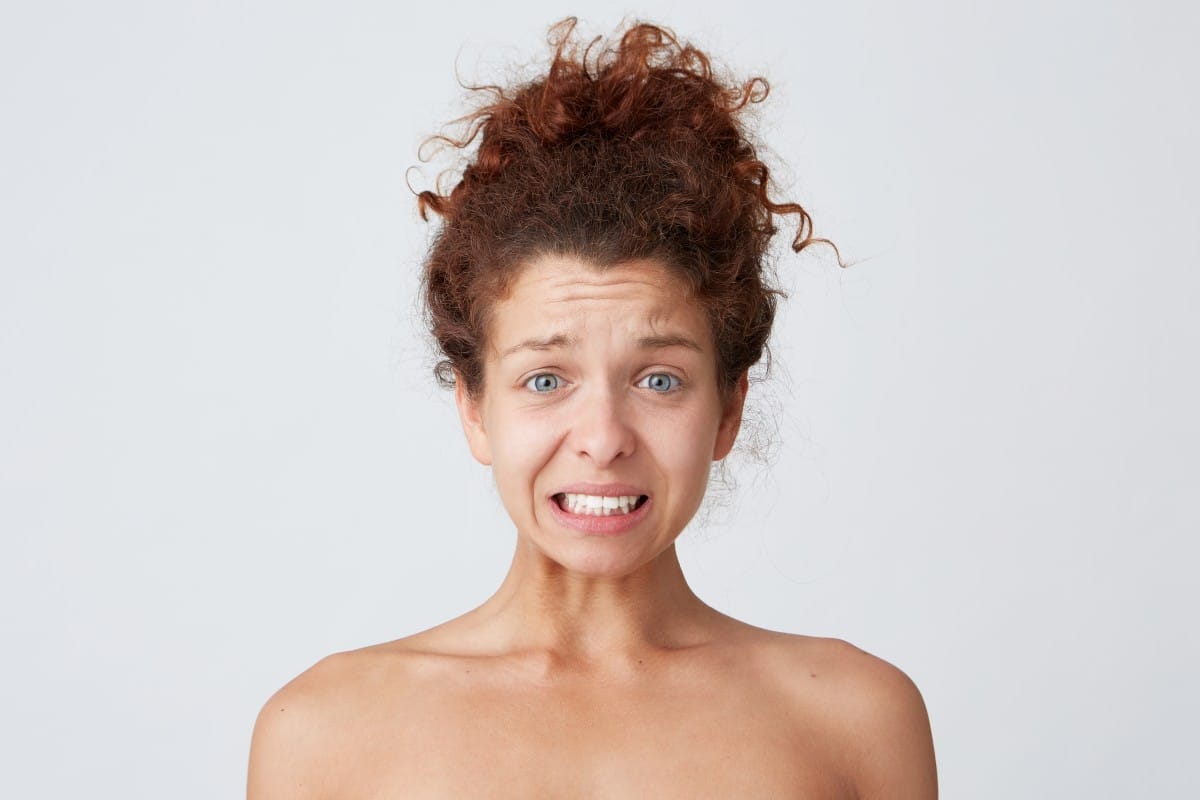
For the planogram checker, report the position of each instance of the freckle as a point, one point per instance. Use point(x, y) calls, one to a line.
point(812, 674)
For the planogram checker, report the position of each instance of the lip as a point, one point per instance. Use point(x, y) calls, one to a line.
point(611, 525)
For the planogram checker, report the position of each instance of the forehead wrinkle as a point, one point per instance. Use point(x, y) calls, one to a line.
point(615, 276)
point(555, 274)
point(560, 290)
point(570, 290)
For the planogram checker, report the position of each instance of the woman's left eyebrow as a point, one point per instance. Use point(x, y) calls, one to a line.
point(668, 340)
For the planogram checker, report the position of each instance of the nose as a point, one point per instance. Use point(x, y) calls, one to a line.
point(601, 430)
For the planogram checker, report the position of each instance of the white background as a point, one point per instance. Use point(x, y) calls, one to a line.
point(223, 456)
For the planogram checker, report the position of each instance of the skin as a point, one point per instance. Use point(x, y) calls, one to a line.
point(594, 671)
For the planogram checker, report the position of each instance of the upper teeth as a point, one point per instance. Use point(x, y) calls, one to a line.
point(598, 505)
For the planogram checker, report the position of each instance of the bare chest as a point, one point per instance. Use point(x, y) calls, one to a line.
point(729, 739)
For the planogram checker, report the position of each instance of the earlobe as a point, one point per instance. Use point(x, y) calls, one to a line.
point(472, 423)
point(731, 419)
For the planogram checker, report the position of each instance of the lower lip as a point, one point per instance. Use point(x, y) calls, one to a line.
point(611, 525)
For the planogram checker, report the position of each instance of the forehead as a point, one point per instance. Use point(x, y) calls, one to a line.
point(562, 292)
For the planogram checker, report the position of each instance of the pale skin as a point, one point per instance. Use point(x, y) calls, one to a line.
point(594, 671)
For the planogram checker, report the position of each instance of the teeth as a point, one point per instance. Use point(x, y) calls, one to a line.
point(598, 506)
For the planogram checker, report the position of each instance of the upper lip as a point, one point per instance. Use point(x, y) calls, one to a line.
point(602, 489)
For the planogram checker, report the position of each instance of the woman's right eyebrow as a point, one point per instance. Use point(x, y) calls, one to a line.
point(542, 343)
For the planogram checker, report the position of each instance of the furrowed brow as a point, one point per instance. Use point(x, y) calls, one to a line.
point(669, 340)
point(556, 341)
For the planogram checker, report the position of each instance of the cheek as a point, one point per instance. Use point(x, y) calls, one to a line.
point(520, 448)
point(685, 445)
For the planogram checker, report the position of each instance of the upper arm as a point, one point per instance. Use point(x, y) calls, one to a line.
point(889, 741)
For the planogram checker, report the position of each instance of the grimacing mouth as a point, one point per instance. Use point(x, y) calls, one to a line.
point(560, 496)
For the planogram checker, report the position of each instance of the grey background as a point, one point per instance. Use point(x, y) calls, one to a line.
point(222, 455)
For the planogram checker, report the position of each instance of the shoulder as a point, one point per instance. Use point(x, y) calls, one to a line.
point(305, 730)
point(293, 729)
point(870, 709)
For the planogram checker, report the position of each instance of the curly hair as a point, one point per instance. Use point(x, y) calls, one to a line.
point(614, 154)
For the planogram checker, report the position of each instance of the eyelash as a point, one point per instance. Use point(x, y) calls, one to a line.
point(672, 390)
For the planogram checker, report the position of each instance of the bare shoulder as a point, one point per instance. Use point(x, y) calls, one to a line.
point(304, 734)
point(872, 709)
point(293, 728)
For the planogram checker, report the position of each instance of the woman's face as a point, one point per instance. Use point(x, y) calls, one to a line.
point(599, 384)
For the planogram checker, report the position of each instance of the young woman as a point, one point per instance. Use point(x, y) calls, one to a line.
point(597, 290)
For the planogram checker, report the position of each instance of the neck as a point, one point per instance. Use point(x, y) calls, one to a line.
point(570, 620)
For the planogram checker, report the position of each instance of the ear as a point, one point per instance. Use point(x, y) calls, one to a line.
point(472, 422)
point(731, 418)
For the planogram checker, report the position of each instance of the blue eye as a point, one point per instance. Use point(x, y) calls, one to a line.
point(661, 382)
point(543, 381)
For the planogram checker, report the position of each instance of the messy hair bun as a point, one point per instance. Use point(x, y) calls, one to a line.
point(613, 154)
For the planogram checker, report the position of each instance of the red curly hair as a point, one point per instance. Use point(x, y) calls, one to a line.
point(633, 152)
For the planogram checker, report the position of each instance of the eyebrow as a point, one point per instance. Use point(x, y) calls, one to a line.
point(561, 340)
point(667, 340)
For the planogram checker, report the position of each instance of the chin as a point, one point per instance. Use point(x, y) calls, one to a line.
point(596, 557)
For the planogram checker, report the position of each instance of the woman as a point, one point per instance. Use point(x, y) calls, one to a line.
point(597, 291)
